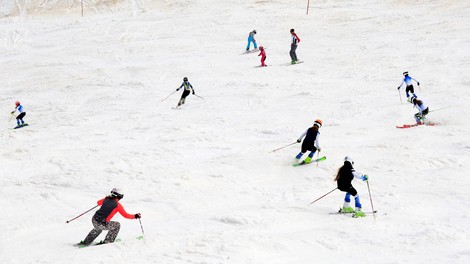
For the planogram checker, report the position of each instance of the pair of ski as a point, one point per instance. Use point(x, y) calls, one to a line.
point(415, 125)
point(20, 126)
point(313, 161)
point(79, 245)
point(340, 211)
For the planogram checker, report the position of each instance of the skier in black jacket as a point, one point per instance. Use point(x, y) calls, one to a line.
point(311, 142)
point(102, 219)
point(344, 178)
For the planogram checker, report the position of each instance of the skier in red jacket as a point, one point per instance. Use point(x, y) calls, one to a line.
point(102, 219)
point(263, 56)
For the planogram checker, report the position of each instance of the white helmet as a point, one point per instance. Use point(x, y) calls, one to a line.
point(117, 192)
point(349, 159)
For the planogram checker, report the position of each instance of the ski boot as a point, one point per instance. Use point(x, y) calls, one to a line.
point(358, 213)
point(346, 210)
point(308, 160)
point(81, 244)
point(293, 62)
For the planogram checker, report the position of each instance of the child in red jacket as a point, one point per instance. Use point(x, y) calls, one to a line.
point(263, 56)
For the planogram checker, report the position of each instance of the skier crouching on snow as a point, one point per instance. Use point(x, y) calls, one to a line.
point(311, 141)
point(187, 90)
point(19, 118)
point(263, 56)
point(344, 177)
point(102, 219)
point(422, 108)
point(251, 38)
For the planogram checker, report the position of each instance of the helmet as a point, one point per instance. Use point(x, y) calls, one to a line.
point(349, 159)
point(318, 123)
point(291, 30)
point(254, 31)
point(117, 193)
point(17, 103)
point(405, 73)
point(261, 48)
point(185, 79)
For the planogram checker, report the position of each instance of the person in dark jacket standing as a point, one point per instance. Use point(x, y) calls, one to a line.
point(344, 178)
point(102, 218)
point(293, 46)
point(311, 142)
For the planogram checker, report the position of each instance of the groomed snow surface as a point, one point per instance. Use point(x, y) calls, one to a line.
point(202, 176)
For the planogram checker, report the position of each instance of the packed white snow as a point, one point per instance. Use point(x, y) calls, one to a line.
point(203, 176)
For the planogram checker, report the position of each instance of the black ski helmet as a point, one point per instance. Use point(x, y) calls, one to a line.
point(117, 193)
point(254, 31)
point(291, 30)
point(405, 73)
point(185, 79)
point(349, 159)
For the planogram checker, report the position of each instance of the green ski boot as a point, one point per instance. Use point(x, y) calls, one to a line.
point(358, 213)
point(346, 210)
point(308, 160)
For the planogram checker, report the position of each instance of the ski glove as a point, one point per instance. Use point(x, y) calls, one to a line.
point(365, 177)
point(137, 216)
point(194, 92)
point(12, 112)
point(418, 83)
point(298, 140)
point(398, 88)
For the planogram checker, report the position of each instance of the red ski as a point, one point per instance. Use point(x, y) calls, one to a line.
point(415, 125)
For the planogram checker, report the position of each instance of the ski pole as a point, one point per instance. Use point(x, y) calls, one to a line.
point(168, 96)
point(282, 147)
point(11, 117)
point(370, 197)
point(81, 215)
point(318, 156)
point(141, 227)
point(401, 101)
point(324, 195)
point(199, 97)
point(440, 109)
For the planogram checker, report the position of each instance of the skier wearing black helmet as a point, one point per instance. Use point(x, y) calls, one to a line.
point(102, 219)
point(343, 179)
point(187, 90)
point(409, 85)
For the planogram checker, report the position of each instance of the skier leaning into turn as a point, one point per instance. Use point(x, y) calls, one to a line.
point(187, 90)
point(343, 179)
point(311, 142)
point(407, 79)
point(102, 219)
point(422, 108)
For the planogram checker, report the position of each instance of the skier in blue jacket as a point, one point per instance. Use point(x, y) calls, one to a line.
point(409, 85)
point(251, 38)
point(19, 118)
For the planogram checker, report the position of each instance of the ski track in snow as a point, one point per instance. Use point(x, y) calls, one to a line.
point(202, 176)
